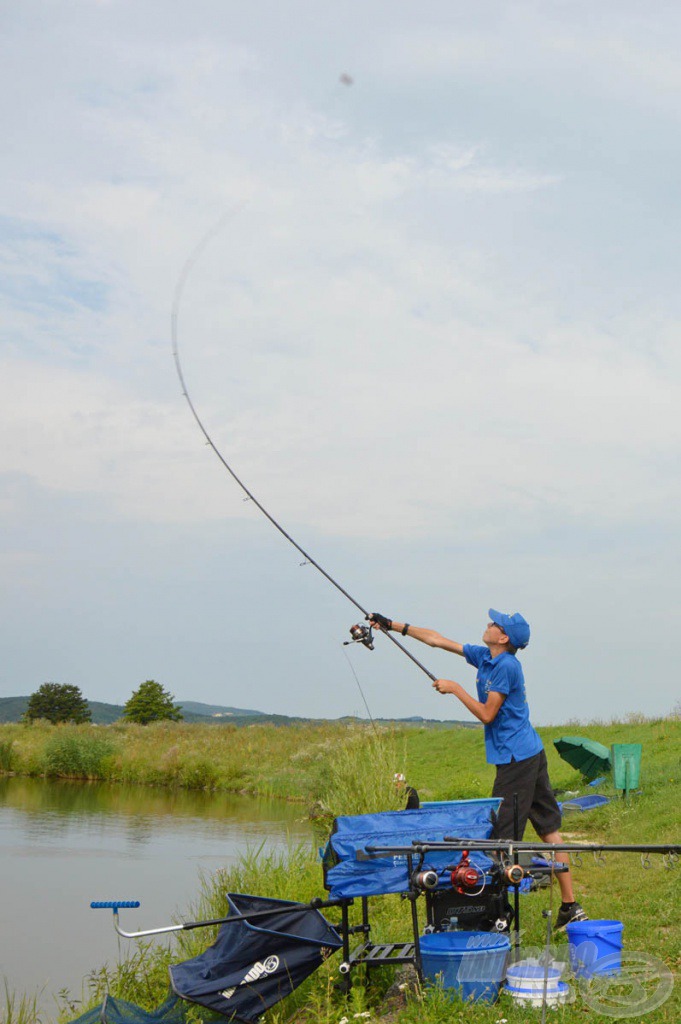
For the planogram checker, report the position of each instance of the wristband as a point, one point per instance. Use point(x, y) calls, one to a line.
point(405, 628)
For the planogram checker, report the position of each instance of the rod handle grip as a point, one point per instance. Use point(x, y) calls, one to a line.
point(113, 904)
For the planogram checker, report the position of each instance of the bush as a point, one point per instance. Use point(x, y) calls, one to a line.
point(199, 774)
point(77, 756)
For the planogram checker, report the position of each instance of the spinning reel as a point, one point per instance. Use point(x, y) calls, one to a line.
point(425, 879)
point(467, 878)
point(361, 635)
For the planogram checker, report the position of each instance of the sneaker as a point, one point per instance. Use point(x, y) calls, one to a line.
point(573, 912)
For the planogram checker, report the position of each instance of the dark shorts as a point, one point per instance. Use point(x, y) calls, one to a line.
point(536, 802)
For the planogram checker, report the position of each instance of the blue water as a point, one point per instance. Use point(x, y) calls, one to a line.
point(65, 844)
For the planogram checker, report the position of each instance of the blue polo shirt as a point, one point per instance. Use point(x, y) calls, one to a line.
point(510, 737)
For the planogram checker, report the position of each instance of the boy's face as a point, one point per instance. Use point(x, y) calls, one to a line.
point(494, 635)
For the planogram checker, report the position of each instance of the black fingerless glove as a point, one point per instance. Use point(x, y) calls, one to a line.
point(382, 621)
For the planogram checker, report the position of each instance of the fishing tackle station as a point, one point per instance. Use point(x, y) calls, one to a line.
point(266, 947)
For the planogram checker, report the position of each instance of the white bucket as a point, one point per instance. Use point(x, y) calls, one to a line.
point(525, 983)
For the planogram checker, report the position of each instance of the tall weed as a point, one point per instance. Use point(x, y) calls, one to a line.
point(16, 1009)
point(359, 775)
point(142, 978)
point(7, 758)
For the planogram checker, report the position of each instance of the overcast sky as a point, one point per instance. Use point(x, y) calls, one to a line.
point(435, 329)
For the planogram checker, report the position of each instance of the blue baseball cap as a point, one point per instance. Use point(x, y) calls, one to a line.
point(516, 628)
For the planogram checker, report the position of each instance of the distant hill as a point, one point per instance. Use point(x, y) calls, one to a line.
point(12, 708)
point(215, 710)
point(105, 714)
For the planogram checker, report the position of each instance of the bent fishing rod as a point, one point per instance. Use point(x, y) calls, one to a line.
point(360, 634)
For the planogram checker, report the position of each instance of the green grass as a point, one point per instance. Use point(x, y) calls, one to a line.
point(348, 769)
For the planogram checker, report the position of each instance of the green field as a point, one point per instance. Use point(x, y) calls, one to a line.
point(336, 769)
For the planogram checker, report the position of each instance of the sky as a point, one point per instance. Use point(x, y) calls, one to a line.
point(425, 263)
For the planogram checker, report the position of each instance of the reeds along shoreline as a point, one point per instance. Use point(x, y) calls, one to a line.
point(305, 763)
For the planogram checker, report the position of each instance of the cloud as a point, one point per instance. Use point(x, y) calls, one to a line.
point(436, 331)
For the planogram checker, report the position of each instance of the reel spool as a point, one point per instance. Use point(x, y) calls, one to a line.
point(514, 874)
point(425, 879)
point(466, 877)
point(361, 635)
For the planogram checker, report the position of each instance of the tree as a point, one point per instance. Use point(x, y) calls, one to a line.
point(151, 703)
point(58, 702)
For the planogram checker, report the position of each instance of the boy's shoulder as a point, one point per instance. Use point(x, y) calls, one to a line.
point(475, 654)
point(509, 665)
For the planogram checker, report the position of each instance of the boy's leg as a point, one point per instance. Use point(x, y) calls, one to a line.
point(546, 817)
point(515, 779)
point(564, 877)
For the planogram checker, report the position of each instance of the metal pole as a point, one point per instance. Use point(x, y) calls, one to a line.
point(415, 923)
point(516, 896)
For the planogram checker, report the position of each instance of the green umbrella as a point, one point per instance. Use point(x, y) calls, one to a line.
point(587, 756)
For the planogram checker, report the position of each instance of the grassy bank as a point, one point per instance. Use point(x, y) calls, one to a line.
point(306, 761)
point(349, 770)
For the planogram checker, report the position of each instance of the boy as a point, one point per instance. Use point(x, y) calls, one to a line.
point(511, 743)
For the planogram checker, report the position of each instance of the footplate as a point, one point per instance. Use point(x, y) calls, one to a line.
point(374, 955)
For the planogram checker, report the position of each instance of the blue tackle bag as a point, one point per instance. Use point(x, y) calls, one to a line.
point(253, 964)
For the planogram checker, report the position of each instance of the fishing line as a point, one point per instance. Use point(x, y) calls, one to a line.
point(352, 669)
point(177, 297)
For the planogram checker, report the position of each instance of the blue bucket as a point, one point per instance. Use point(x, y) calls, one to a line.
point(591, 942)
point(470, 964)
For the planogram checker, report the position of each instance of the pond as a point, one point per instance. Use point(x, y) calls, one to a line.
point(64, 844)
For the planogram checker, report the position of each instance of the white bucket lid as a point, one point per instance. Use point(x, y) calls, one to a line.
point(525, 974)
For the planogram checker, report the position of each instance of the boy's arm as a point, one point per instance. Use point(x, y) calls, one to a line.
point(486, 712)
point(426, 636)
